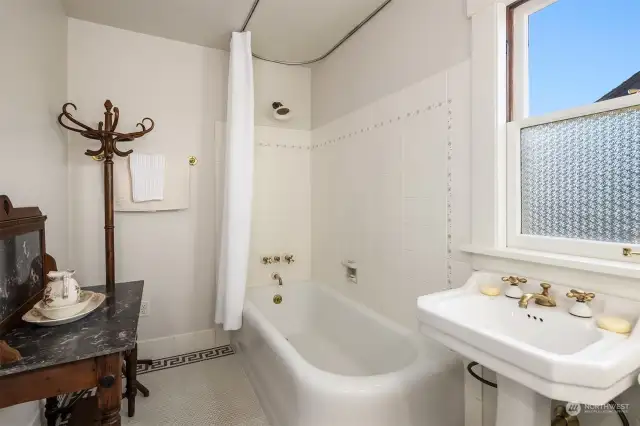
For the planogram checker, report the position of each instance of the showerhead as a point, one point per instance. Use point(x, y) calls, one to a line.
point(280, 112)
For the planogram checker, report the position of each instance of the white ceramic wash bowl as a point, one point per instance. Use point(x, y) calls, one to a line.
point(62, 312)
point(34, 316)
point(546, 350)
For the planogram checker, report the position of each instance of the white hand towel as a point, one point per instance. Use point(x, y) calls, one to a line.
point(147, 176)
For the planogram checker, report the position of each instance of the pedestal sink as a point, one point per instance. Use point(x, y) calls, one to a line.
point(538, 353)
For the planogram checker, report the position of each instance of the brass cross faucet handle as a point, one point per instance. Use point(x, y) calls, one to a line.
point(581, 296)
point(514, 280)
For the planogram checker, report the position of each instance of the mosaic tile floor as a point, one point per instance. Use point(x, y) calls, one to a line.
point(211, 392)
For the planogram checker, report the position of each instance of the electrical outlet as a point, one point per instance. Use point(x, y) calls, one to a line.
point(145, 308)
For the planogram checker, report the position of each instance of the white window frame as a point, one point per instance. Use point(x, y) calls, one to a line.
point(520, 88)
point(489, 161)
point(515, 238)
point(520, 52)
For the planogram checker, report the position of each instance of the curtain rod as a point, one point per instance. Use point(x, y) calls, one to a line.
point(249, 16)
point(333, 49)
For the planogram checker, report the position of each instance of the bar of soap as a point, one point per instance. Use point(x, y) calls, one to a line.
point(489, 290)
point(615, 324)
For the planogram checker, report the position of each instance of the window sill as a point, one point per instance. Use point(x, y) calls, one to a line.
point(599, 266)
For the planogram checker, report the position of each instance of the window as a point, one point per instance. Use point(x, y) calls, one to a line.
point(573, 140)
point(570, 53)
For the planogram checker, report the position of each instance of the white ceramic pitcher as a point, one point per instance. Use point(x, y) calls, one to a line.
point(61, 290)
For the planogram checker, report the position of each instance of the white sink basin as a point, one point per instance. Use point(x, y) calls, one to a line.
point(548, 330)
point(545, 350)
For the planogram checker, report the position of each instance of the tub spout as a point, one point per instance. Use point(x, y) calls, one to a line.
point(276, 276)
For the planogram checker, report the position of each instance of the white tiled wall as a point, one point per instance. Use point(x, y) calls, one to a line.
point(281, 201)
point(380, 194)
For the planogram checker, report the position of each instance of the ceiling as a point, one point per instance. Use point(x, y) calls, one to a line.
point(289, 30)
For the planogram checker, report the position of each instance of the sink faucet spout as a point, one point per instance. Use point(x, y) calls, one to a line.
point(542, 299)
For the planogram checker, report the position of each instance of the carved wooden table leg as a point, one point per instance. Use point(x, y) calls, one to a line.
point(51, 411)
point(108, 369)
point(132, 389)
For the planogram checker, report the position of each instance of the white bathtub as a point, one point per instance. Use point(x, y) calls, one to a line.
point(319, 359)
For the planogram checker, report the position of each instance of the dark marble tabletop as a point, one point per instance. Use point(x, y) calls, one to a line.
point(109, 329)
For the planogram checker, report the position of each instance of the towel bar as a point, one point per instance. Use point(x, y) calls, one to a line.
point(193, 160)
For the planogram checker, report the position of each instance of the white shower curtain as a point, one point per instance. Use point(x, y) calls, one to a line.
point(238, 186)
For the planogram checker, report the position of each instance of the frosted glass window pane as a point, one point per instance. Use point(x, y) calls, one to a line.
point(581, 177)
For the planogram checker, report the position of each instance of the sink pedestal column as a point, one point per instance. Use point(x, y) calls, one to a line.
point(519, 405)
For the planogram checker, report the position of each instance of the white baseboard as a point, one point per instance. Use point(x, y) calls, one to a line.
point(38, 415)
point(38, 418)
point(178, 344)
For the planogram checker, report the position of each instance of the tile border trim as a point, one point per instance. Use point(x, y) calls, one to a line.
point(185, 359)
point(283, 145)
point(379, 124)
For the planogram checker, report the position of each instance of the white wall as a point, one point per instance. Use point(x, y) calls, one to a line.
point(407, 42)
point(380, 194)
point(281, 217)
point(33, 155)
point(289, 85)
point(183, 88)
point(33, 152)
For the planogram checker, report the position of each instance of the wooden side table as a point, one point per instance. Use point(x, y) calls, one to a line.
point(102, 372)
point(73, 357)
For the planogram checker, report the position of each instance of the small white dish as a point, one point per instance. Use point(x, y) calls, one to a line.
point(61, 312)
point(34, 316)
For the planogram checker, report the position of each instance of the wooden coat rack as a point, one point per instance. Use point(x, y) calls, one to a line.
point(108, 137)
